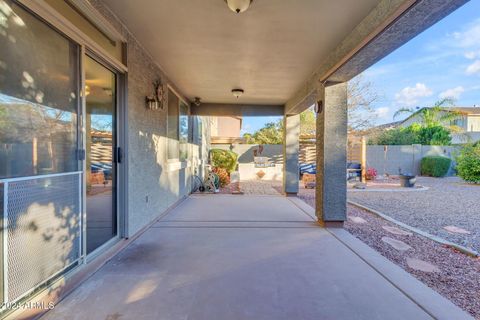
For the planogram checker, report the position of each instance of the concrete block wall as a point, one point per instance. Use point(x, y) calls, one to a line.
point(245, 151)
point(246, 167)
point(389, 159)
point(153, 183)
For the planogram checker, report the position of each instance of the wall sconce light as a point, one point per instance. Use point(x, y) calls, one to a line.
point(318, 108)
point(155, 101)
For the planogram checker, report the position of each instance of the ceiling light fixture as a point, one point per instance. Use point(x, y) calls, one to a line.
point(237, 93)
point(197, 101)
point(238, 6)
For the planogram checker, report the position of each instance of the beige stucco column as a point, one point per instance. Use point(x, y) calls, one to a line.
point(290, 154)
point(331, 127)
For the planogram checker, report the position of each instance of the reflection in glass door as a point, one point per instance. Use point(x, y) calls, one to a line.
point(100, 140)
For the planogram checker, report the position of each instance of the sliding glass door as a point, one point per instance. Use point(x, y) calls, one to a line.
point(40, 175)
point(100, 141)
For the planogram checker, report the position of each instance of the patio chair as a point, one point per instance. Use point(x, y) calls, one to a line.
point(354, 171)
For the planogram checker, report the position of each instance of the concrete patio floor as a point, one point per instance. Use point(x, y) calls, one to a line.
point(249, 257)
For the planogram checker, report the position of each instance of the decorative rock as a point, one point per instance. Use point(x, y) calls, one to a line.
point(396, 231)
point(357, 219)
point(421, 265)
point(454, 229)
point(396, 244)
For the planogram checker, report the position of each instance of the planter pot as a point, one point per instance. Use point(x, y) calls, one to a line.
point(407, 181)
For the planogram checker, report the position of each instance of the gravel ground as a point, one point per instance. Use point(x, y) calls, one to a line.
point(448, 202)
point(458, 278)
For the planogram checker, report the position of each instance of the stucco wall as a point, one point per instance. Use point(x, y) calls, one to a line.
point(153, 183)
point(246, 166)
point(245, 151)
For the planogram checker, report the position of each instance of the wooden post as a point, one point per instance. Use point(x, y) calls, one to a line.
point(35, 155)
point(364, 159)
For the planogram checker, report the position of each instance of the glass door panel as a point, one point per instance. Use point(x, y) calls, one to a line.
point(100, 140)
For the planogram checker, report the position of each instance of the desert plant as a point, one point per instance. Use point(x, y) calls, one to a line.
point(435, 166)
point(223, 176)
point(225, 159)
point(371, 174)
point(468, 163)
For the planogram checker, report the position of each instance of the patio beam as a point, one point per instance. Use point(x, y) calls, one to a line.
point(331, 146)
point(246, 110)
point(291, 149)
point(391, 24)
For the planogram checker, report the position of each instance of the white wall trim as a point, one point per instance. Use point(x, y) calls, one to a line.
point(87, 10)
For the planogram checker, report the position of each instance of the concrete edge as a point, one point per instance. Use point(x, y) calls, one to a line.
point(427, 235)
point(426, 298)
point(64, 285)
point(390, 190)
point(304, 207)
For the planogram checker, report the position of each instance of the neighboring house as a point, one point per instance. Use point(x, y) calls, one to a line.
point(468, 124)
point(226, 130)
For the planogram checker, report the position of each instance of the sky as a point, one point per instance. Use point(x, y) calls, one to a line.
point(443, 61)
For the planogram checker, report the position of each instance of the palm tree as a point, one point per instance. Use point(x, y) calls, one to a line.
point(437, 115)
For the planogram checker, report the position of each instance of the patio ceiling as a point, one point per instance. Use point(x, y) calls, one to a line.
point(269, 51)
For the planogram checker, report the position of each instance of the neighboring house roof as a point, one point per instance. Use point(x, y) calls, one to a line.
point(376, 129)
point(387, 126)
point(466, 110)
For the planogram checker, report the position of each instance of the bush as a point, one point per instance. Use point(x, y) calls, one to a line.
point(414, 134)
point(371, 174)
point(468, 163)
point(223, 176)
point(436, 166)
point(223, 159)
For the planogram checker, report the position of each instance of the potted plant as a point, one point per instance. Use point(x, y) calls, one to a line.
point(371, 174)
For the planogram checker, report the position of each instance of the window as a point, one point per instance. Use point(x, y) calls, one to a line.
point(38, 96)
point(183, 132)
point(177, 128)
point(172, 125)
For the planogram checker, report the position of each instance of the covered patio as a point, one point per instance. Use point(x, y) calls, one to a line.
point(166, 67)
point(248, 257)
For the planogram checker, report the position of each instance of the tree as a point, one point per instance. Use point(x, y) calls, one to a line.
point(436, 116)
point(361, 96)
point(307, 122)
point(271, 133)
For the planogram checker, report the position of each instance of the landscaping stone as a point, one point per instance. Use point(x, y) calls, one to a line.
point(447, 202)
point(357, 219)
point(396, 231)
point(396, 244)
point(454, 229)
point(421, 265)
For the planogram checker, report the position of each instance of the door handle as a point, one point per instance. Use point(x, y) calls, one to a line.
point(119, 155)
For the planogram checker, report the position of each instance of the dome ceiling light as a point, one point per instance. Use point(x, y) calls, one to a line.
point(237, 93)
point(238, 6)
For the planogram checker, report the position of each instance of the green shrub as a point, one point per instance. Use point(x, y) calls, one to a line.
point(413, 134)
point(468, 163)
point(223, 159)
point(435, 166)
